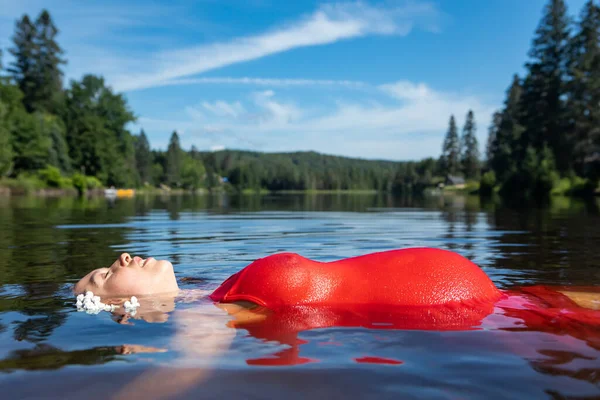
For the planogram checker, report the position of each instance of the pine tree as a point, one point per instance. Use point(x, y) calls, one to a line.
point(451, 149)
point(470, 148)
point(543, 109)
point(24, 67)
point(6, 154)
point(507, 149)
point(58, 156)
point(491, 147)
point(174, 161)
point(36, 67)
point(48, 62)
point(143, 158)
point(583, 101)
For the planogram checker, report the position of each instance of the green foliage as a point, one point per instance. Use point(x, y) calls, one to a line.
point(52, 177)
point(6, 153)
point(536, 177)
point(470, 148)
point(92, 182)
point(98, 141)
point(550, 123)
point(192, 173)
point(487, 183)
point(37, 60)
point(451, 149)
point(30, 141)
point(79, 182)
point(174, 162)
point(312, 171)
point(583, 88)
point(542, 101)
point(143, 157)
point(23, 68)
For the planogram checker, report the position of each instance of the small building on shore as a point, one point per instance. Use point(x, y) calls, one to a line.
point(455, 181)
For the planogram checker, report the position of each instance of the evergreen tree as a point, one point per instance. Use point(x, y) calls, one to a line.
point(470, 148)
point(48, 62)
point(491, 147)
point(143, 158)
point(53, 127)
point(583, 101)
point(6, 154)
point(507, 148)
point(451, 149)
point(543, 110)
point(30, 142)
point(24, 67)
point(174, 161)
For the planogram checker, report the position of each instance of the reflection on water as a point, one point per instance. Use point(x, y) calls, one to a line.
point(47, 244)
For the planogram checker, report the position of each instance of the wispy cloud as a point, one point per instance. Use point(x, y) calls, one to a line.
point(273, 82)
point(407, 121)
point(224, 109)
point(329, 24)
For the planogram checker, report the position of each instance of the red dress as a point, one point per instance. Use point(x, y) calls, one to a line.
point(418, 288)
point(408, 277)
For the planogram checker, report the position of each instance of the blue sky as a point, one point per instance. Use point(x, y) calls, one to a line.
point(366, 79)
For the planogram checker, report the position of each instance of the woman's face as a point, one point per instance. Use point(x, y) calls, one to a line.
point(130, 276)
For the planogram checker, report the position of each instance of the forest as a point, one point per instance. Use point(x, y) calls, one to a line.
point(545, 139)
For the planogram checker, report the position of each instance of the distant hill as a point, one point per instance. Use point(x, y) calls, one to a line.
point(309, 170)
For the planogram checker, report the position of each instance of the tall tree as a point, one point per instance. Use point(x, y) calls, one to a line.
point(451, 149)
point(53, 127)
point(48, 62)
point(24, 67)
point(470, 148)
point(544, 88)
point(508, 148)
point(174, 161)
point(583, 100)
point(491, 146)
point(143, 158)
point(6, 154)
point(98, 140)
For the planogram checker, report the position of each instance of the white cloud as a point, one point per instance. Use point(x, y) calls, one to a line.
point(223, 109)
point(329, 24)
point(408, 122)
point(217, 147)
point(265, 82)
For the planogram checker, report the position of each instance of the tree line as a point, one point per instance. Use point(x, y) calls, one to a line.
point(78, 135)
point(547, 135)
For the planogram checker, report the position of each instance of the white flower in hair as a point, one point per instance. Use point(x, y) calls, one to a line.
point(93, 304)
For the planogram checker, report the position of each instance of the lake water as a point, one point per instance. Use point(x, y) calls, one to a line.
point(49, 350)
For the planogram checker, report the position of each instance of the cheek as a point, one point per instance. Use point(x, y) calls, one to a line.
point(128, 282)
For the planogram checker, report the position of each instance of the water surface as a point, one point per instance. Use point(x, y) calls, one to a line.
point(47, 349)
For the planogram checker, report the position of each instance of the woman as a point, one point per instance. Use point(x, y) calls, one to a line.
point(438, 288)
point(277, 297)
point(416, 288)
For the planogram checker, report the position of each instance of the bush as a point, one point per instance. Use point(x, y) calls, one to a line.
point(24, 183)
point(487, 184)
point(79, 182)
point(92, 182)
point(52, 177)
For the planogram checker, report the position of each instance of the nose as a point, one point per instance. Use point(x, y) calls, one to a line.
point(124, 259)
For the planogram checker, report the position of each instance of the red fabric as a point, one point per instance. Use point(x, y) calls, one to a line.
point(424, 289)
point(408, 277)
